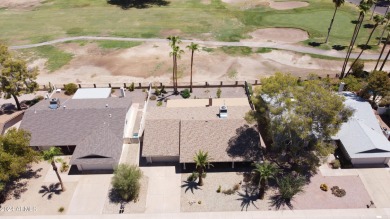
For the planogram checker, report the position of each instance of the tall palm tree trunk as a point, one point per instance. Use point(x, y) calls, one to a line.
point(354, 36)
point(383, 49)
point(192, 61)
point(364, 48)
point(385, 27)
point(176, 84)
point(331, 23)
point(58, 175)
point(385, 60)
point(262, 189)
point(200, 172)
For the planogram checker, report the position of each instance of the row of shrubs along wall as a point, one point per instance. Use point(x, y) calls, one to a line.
point(145, 85)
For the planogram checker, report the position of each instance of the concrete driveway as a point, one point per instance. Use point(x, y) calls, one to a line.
point(90, 195)
point(163, 195)
point(377, 183)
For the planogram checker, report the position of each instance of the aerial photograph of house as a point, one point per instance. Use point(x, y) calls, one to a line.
point(194, 109)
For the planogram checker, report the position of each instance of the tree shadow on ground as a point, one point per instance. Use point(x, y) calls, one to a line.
point(52, 189)
point(278, 201)
point(338, 47)
point(364, 46)
point(315, 44)
point(246, 144)
point(248, 198)
point(368, 26)
point(127, 4)
point(354, 21)
point(16, 187)
point(190, 185)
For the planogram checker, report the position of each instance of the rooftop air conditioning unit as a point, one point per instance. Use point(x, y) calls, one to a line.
point(54, 103)
point(223, 112)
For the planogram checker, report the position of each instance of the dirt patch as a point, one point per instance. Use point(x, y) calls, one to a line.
point(171, 32)
point(20, 4)
point(282, 35)
point(247, 4)
point(287, 5)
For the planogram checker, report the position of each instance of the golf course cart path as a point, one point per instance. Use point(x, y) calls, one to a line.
point(273, 45)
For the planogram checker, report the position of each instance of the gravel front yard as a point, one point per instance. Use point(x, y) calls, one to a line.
point(113, 207)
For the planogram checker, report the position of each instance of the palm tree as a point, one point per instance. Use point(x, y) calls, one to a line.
point(49, 156)
point(378, 20)
point(337, 4)
point(289, 186)
point(385, 60)
point(387, 17)
point(173, 40)
point(363, 7)
point(193, 47)
point(374, 2)
point(201, 159)
point(265, 171)
point(383, 48)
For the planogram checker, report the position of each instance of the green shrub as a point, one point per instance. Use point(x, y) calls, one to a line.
point(192, 177)
point(219, 92)
point(185, 93)
point(335, 164)
point(157, 91)
point(159, 103)
point(228, 192)
point(219, 189)
point(70, 88)
point(64, 167)
point(324, 187)
point(199, 202)
point(131, 87)
point(153, 97)
point(61, 209)
point(250, 89)
point(126, 181)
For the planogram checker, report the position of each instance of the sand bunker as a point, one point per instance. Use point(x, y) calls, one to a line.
point(19, 4)
point(287, 5)
point(282, 35)
point(246, 4)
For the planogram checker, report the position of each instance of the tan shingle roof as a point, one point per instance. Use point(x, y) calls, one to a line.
point(225, 140)
point(161, 138)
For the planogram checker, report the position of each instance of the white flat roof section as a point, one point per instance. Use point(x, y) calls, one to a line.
point(92, 93)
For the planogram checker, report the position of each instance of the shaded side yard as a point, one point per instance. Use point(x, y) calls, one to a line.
point(243, 200)
point(42, 198)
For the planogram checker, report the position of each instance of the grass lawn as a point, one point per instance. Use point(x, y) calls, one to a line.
point(61, 18)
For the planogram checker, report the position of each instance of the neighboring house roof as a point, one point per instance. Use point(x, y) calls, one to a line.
point(161, 138)
point(183, 131)
point(92, 93)
point(224, 140)
point(362, 136)
point(75, 124)
point(100, 144)
point(195, 113)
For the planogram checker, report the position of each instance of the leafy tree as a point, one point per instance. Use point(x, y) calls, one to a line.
point(49, 156)
point(378, 20)
point(353, 84)
point(201, 160)
point(219, 92)
point(15, 155)
point(265, 172)
point(301, 117)
point(337, 4)
point(363, 8)
point(378, 84)
point(193, 47)
point(70, 88)
point(358, 69)
point(289, 186)
point(16, 79)
point(4, 54)
point(126, 181)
